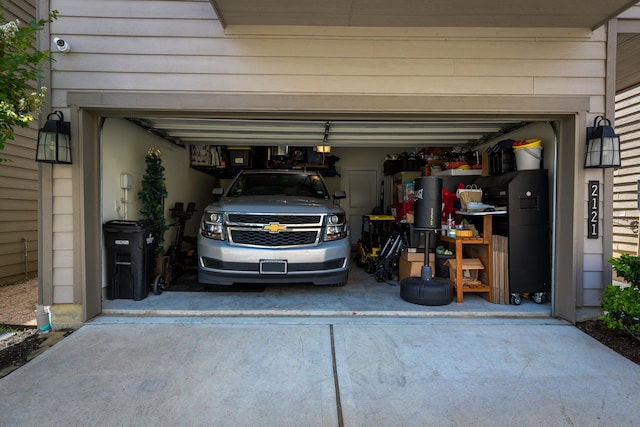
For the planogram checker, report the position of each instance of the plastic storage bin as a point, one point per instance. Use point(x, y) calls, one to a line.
point(130, 254)
point(441, 268)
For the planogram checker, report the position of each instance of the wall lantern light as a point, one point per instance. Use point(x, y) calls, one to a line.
point(54, 140)
point(323, 148)
point(603, 145)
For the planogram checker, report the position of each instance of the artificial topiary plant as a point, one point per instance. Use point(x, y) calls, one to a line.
point(152, 195)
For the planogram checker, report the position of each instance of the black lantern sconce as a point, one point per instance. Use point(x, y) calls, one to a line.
point(54, 140)
point(603, 145)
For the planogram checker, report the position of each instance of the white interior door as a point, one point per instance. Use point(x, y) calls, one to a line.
point(363, 194)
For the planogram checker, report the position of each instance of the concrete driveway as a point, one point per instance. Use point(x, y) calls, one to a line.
point(324, 371)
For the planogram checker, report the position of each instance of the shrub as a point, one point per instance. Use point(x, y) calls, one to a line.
point(627, 267)
point(621, 304)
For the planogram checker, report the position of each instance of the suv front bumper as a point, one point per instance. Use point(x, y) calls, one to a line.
point(222, 264)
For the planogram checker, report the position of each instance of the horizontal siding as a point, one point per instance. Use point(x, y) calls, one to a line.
point(125, 63)
point(628, 60)
point(180, 46)
point(18, 238)
point(169, 27)
point(208, 45)
point(625, 204)
point(19, 9)
point(19, 187)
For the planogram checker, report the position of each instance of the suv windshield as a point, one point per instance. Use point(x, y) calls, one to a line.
point(270, 184)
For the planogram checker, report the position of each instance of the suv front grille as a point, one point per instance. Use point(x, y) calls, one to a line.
point(237, 218)
point(248, 229)
point(265, 238)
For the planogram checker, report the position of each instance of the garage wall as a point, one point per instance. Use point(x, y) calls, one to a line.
point(124, 147)
point(179, 47)
point(19, 186)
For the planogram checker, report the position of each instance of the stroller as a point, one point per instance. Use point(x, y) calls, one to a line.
point(387, 263)
point(376, 229)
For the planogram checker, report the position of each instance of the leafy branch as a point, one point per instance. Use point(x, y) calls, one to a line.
point(20, 68)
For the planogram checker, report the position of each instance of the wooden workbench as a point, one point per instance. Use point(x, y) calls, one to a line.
point(460, 242)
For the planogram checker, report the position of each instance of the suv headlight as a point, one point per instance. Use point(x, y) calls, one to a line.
point(337, 227)
point(211, 226)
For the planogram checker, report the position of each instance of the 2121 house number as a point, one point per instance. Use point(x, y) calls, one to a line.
point(594, 210)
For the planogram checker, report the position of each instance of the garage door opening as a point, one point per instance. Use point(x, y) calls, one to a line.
point(376, 163)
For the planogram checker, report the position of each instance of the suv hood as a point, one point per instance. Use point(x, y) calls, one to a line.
point(274, 204)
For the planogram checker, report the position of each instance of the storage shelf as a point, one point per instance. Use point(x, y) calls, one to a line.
point(459, 242)
point(458, 172)
point(230, 172)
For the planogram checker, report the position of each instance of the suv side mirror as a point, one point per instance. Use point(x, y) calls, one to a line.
point(218, 192)
point(339, 195)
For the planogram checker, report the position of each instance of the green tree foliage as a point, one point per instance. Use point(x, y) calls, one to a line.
point(20, 67)
point(628, 267)
point(621, 304)
point(152, 195)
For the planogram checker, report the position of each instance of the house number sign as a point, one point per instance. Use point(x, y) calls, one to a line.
point(594, 210)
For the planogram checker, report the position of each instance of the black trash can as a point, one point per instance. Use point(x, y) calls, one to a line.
point(130, 254)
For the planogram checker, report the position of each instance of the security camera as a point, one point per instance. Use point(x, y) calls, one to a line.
point(61, 45)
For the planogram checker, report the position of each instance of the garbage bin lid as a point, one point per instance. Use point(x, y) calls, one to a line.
point(125, 223)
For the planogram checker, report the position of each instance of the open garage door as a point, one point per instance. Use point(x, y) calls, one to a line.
point(362, 145)
point(339, 133)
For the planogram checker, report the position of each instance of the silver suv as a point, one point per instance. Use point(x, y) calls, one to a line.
point(274, 226)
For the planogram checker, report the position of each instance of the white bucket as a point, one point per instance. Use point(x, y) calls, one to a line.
point(528, 158)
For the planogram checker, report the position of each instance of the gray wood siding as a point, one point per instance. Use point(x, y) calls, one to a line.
point(627, 124)
point(628, 60)
point(19, 187)
point(179, 46)
point(625, 205)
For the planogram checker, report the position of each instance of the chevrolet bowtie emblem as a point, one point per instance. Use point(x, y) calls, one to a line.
point(274, 227)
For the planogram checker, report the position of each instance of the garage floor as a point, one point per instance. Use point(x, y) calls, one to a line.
point(362, 296)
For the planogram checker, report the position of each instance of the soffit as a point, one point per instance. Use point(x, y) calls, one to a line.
point(421, 13)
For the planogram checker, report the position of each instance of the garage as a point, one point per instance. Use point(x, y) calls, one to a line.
point(362, 151)
point(382, 79)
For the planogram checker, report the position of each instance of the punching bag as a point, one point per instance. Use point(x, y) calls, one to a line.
point(427, 207)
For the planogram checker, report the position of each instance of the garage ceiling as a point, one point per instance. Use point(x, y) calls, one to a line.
point(421, 13)
point(199, 131)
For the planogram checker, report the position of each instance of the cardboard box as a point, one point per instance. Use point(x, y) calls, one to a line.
point(410, 217)
point(411, 264)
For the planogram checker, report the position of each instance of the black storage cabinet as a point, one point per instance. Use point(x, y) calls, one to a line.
point(526, 196)
point(130, 254)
